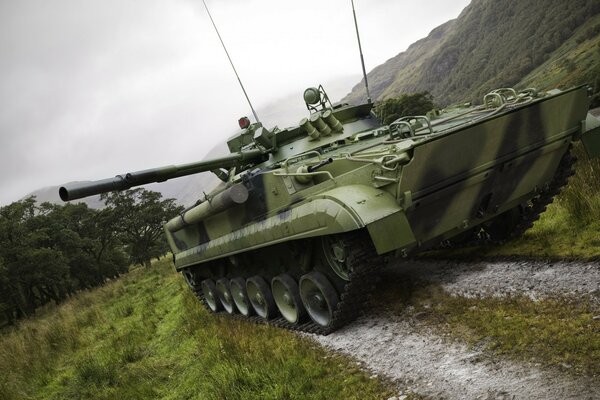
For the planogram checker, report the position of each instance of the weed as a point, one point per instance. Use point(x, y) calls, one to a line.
point(93, 370)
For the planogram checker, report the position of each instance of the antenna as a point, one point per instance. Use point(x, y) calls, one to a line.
point(231, 62)
point(362, 59)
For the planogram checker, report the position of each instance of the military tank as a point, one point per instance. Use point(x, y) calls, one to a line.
point(304, 217)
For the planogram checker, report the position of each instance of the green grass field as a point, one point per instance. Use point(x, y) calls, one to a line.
point(145, 336)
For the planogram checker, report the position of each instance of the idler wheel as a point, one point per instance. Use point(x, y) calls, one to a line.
point(287, 297)
point(260, 297)
point(190, 280)
point(319, 297)
point(224, 293)
point(210, 295)
point(336, 253)
point(240, 296)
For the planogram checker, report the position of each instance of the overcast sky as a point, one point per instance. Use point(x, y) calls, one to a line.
point(93, 88)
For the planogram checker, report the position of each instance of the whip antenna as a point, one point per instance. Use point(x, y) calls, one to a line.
point(362, 59)
point(231, 62)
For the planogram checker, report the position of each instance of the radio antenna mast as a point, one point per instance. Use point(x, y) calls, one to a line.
point(231, 62)
point(362, 59)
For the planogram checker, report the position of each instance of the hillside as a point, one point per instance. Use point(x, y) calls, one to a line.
point(145, 336)
point(576, 61)
point(495, 44)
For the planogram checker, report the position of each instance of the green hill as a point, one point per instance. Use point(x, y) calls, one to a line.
point(491, 44)
point(576, 61)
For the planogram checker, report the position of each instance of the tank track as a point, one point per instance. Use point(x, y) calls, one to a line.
point(537, 205)
point(354, 298)
point(367, 264)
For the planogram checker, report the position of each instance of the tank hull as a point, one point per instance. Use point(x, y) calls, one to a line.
point(304, 248)
point(456, 178)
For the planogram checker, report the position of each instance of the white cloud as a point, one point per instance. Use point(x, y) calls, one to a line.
point(89, 89)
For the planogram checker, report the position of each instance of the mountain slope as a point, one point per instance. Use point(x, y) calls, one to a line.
point(491, 44)
point(576, 61)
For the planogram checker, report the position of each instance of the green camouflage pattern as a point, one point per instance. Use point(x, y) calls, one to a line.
point(411, 185)
point(303, 215)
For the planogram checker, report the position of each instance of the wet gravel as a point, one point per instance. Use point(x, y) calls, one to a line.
point(421, 360)
point(534, 279)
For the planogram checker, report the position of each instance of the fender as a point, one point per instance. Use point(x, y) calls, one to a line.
point(379, 212)
point(338, 210)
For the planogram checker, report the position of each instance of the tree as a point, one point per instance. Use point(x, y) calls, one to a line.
point(87, 238)
point(5, 308)
point(405, 105)
point(48, 252)
point(139, 216)
point(16, 241)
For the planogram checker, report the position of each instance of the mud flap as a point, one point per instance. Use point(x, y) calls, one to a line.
point(591, 136)
point(391, 233)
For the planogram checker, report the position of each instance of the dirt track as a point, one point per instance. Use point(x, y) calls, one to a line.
point(423, 361)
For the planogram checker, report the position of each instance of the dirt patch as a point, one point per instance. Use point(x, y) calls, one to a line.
point(426, 362)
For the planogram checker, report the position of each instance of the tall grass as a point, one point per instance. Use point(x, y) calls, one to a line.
point(581, 198)
point(145, 336)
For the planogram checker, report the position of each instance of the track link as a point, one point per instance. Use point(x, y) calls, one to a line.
point(367, 264)
point(354, 298)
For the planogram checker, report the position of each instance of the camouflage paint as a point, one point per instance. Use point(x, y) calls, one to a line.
point(409, 193)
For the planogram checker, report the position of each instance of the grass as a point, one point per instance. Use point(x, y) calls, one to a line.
point(145, 336)
point(557, 332)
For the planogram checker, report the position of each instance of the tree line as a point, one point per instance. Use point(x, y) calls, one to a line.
point(409, 104)
point(48, 252)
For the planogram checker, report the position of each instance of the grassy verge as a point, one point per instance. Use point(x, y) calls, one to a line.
point(145, 336)
point(556, 332)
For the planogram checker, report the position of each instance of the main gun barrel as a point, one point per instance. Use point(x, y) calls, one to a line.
point(78, 190)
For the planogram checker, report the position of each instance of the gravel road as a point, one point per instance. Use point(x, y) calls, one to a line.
point(423, 361)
